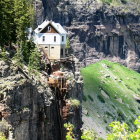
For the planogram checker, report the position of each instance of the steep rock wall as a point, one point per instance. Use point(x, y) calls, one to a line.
point(30, 110)
point(26, 107)
point(98, 31)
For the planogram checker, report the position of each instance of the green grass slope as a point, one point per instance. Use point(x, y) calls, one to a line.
point(111, 92)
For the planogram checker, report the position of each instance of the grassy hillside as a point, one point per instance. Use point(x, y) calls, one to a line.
point(111, 92)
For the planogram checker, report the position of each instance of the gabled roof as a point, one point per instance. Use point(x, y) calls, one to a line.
point(57, 27)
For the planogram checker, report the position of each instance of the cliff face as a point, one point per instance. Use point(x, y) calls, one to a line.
point(98, 31)
point(24, 106)
point(29, 109)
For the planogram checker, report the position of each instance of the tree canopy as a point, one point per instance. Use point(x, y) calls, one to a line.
point(15, 17)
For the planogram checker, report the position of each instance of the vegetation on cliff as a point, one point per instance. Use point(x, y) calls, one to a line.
point(2, 136)
point(111, 92)
point(16, 17)
point(119, 131)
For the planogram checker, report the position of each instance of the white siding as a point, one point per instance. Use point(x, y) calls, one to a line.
point(49, 38)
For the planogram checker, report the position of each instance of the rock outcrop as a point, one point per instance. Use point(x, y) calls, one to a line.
point(98, 31)
point(30, 109)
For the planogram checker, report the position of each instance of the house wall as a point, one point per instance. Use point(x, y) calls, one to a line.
point(53, 51)
point(49, 38)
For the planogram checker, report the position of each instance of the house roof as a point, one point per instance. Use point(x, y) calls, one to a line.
point(57, 27)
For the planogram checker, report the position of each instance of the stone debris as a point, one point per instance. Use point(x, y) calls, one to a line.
point(106, 75)
point(104, 94)
point(120, 100)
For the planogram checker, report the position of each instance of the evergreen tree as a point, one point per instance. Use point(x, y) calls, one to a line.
point(35, 59)
point(19, 57)
point(7, 25)
point(24, 14)
point(27, 47)
point(15, 17)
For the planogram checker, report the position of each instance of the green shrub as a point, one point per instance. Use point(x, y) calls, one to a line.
point(121, 131)
point(88, 135)
point(68, 43)
point(2, 136)
point(69, 135)
point(75, 102)
point(4, 55)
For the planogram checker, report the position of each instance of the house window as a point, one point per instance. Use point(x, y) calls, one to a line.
point(46, 46)
point(61, 52)
point(52, 47)
point(1, 116)
point(49, 28)
point(43, 38)
point(54, 38)
point(62, 38)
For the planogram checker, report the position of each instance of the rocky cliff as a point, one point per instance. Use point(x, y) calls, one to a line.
point(97, 30)
point(30, 109)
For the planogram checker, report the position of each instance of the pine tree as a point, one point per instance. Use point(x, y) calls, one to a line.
point(27, 48)
point(19, 57)
point(7, 32)
point(15, 17)
point(23, 17)
point(35, 59)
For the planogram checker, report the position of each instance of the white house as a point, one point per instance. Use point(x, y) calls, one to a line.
point(51, 37)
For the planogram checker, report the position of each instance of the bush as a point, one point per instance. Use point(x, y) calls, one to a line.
point(68, 43)
point(4, 55)
point(121, 131)
point(75, 102)
point(69, 135)
point(89, 135)
point(2, 136)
